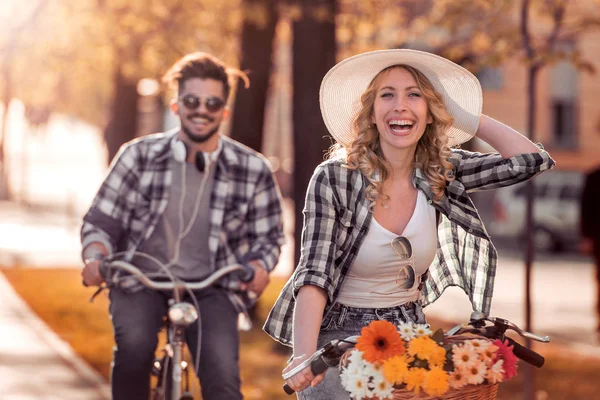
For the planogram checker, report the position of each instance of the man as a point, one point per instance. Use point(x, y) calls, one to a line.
point(197, 201)
point(590, 226)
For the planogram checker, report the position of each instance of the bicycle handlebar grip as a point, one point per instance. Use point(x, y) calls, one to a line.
point(247, 275)
point(288, 390)
point(103, 269)
point(317, 367)
point(527, 355)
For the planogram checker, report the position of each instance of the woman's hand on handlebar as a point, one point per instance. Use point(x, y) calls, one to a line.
point(260, 281)
point(91, 273)
point(304, 378)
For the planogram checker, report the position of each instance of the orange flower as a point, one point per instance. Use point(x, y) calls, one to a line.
point(395, 369)
point(380, 341)
point(422, 347)
point(415, 379)
point(436, 382)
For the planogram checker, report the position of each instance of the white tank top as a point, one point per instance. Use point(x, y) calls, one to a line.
point(379, 277)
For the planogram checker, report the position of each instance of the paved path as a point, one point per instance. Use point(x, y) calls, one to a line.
point(35, 363)
point(563, 295)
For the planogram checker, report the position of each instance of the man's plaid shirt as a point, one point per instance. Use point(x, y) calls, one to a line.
point(337, 218)
point(245, 210)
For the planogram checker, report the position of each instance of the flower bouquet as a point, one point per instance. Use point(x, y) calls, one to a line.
point(390, 362)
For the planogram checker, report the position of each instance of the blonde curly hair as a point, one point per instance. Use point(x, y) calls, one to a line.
point(432, 149)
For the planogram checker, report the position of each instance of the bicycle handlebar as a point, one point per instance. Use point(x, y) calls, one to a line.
point(477, 326)
point(330, 353)
point(327, 356)
point(526, 354)
point(525, 334)
point(317, 366)
point(500, 326)
point(247, 276)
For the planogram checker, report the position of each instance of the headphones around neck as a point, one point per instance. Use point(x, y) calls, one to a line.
point(180, 150)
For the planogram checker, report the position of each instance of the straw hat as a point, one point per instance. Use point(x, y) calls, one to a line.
point(343, 85)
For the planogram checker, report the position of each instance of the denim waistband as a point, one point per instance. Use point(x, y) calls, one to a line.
point(338, 306)
point(350, 320)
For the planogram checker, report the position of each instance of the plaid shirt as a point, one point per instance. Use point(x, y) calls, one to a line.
point(337, 218)
point(245, 210)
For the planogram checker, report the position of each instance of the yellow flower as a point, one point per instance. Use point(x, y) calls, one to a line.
point(421, 347)
point(437, 358)
point(395, 369)
point(379, 341)
point(415, 379)
point(436, 382)
point(427, 349)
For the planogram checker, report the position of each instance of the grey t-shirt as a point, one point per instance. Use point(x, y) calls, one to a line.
point(193, 260)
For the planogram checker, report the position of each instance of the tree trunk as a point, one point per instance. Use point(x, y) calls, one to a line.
point(314, 54)
point(122, 126)
point(530, 226)
point(257, 47)
point(5, 190)
point(528, 372)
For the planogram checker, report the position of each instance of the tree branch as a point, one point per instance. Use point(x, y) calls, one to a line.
point(529, 53)
point(558, 14)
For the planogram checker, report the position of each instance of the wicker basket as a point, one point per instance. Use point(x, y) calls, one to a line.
point(469, 392)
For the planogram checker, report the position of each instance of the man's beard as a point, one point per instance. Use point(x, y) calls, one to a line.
point(199, 138)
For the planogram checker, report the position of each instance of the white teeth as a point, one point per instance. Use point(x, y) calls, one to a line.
point(200, 120)
point(401, 122)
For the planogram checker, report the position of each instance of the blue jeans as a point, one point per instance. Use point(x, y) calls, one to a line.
point(137, 318)
point(342, 322)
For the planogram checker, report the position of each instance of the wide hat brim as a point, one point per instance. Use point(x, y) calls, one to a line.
point(344, 84)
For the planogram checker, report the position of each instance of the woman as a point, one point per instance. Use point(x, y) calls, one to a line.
point(388, 221)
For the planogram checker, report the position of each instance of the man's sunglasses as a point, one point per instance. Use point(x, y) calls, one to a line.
point(212, 104)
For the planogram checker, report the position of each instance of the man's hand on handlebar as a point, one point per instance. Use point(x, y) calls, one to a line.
point(260, 281)
point(91, 273)
point(304, 378)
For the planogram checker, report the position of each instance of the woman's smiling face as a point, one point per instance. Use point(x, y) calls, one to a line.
point(400, 111)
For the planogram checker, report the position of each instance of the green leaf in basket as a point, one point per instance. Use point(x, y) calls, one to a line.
point(420, 363)
point(438, 336)
point(449, 364)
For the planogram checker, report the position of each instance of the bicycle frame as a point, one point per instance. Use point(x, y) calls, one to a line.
point(180, 315)
point(170, 368)
point(174, 348)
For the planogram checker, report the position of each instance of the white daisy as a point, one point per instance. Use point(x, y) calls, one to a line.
point(374, 370)
point(422, 330)
point(476, 373)
point(406, 330)
point(480, 345)
point(496, 372)
point(357, 387)
point(356, 358)
point(488, 355)
point(355, 369)
point(381, 389)
point(463, 356)
point(352, 372)
point(458, 378)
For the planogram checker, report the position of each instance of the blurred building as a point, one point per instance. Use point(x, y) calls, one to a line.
point(567, 113)
point(567, 124)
